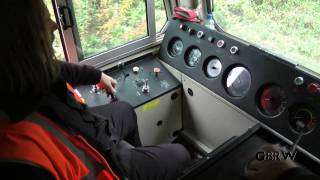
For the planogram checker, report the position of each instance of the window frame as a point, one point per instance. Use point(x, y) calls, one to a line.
point(70, 37)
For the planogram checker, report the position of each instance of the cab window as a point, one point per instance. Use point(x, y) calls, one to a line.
point(98, 31)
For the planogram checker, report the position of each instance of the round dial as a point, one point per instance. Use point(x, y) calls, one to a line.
point(238, 81)
point(213, 68)
point(175, 47)
point(302, 120)
point(272, 100)
point(193, 57)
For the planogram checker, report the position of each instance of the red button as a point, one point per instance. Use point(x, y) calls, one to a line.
point(156, 70)
point(314, 88)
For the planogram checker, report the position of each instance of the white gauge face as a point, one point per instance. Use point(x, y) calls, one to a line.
point(193, 57)
point(176, 47)
point(238, 81)
point(213, 68)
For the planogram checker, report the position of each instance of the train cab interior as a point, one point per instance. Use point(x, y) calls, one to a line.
point(223, 89)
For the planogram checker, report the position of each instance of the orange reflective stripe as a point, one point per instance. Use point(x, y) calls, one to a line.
point(27, 141)
point(67, 157)
point(76, 94)
point(55, 132)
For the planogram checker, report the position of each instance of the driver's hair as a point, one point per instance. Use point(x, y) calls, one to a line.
point(27, 64)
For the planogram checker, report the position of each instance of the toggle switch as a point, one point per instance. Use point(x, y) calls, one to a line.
point(145, 87)
point(94, 89)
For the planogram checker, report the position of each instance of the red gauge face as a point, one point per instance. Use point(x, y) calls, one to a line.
point(272, 100)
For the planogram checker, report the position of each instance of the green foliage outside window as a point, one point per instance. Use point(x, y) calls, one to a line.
point(290, 28)
point(106, 24)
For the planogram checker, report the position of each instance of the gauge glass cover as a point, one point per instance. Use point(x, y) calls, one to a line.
point(302, 119)
point(193, 57)
point(238, 81)
point(175, 47)
point(213, 68)
point(272, 100)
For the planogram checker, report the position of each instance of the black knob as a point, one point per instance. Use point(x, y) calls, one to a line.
point(183, 27)
point(192, 31)
point(211, 39)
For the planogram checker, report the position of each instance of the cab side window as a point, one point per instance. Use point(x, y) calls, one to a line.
point(96, 31)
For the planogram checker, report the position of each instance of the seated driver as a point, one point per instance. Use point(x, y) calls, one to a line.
point(44, 125)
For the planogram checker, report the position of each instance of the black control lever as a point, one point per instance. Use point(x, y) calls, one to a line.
point(301, 127)
point(114, 98)
point(121, 67)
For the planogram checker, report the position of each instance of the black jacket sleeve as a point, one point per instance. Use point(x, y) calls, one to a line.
point(79, 74)
point(298, 174)
point(17, 171)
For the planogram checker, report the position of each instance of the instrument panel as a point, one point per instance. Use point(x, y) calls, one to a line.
point(274, 91)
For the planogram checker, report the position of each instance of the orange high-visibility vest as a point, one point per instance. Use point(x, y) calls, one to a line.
point(40, 141)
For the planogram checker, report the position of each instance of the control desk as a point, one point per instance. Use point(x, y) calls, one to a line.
point(153, 92)
point(137, 83)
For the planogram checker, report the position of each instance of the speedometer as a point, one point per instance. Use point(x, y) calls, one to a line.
point(193, 57)
point(238, 81)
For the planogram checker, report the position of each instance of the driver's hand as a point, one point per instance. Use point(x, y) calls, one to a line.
point(268, 169)
point(107, 83)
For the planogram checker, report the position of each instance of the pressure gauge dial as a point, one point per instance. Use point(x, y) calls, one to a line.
point(238, 81)
point(193, 57)
point(213, 68)
point(302, 119)
point(175, 47)
point(272, 100)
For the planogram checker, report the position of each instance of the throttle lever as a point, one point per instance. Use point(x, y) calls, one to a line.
point(301, 127)
point(114, 98)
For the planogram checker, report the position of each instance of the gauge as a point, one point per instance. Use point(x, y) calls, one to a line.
point(238, 81)
point(175, 47)
point(302, 119)
point(272, 100)
point(193, 57)
point(213, 67)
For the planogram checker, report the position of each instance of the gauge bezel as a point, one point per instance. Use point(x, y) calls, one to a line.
point(186, 54)
point(170, 46)
point(225, 79)
point(206, 63)
point(296, 107)
point(258, 98)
